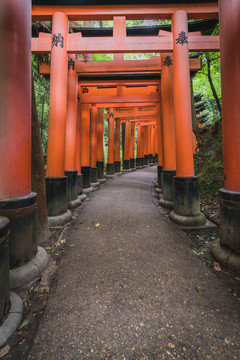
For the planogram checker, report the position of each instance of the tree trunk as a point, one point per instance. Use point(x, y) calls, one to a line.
point(38, 175)
point(213, 87)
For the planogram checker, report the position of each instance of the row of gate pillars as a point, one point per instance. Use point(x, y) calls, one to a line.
point(69, 171)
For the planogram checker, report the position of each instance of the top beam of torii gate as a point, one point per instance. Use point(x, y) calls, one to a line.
point(132, 10)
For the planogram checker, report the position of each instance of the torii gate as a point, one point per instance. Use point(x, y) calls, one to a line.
point(17, 202)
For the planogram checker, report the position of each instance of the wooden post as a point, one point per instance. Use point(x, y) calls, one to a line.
point(71, 121)
point(85, 146)
point(117, 161)
point(126, 161)
point(100, 131)
point(93, 152)
point(185, 183)
point(110, 163)
point(132, 146)
point(58, 96)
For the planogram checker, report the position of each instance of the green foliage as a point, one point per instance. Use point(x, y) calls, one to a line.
point(42, 92)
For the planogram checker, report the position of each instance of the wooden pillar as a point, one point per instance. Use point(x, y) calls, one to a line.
point(58, 96)
point(94, 114)
point(138, 140)
point(159, 142)
point(146, 154)
point(229, 21)
point(110, 163)
point(117, 161)
point(15, 99)
point(78, 138)
point(168, 127)
point(100, 132)
point(85, 146)
point(126, 161)
point(71, 121)
point(185, 183)
point(16, 200)
point(132, 146)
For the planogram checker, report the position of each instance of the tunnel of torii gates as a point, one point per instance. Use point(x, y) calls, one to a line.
point(158, 105)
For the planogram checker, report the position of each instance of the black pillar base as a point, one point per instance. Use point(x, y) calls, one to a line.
point(186, 202)
point(167, 187)
point(159, 176)
point(132, 163)
point(80, 184)
point(86, 172)
point(56, 189)
point(146, 160)
point(138, 162)
point(94, 175)
point(4, 265)
point(117, 166)
point(22, 214)
point(142, 161)
point(100, 169)
point(230, 219)
point(156, 158)
point(72, 189)
point(126, 164)
point(110, 169)
point(150, 159)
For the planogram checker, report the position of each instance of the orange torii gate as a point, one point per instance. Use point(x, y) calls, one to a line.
point(18, 203)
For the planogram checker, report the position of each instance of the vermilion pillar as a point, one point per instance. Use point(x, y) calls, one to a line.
point(56, 182)
point(138, 159)
point(154, 139)
point(142, 140)
point(70, 140)
point(100, 130)
point(126, 161)
point(229, 21)
point(71, 119)
point(186, 194)
point(85, 147)
point(159, 143)
point(168, 128)
point(117, 161)
point(58, 96)
point(146, 140)
point(149, 144)
point(110, 163)
point(78, 138)
point(94, 115)
point(132, 146)
point(16, 200)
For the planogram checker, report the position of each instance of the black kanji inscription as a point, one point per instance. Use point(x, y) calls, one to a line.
point(111, 115)
point(71, 64)
point(57, 39)
point(85, 90)
point(167, 61)
point(182, 39)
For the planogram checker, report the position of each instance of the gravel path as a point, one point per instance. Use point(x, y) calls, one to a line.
point(131, 288)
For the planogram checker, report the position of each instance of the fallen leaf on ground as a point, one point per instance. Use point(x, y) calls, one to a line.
point(172, 346)
point(97, 225)
point(24, 323)
point(216, 266)
point(63, 241)
point(4, 351)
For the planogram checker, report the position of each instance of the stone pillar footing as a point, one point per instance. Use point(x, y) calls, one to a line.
point(138, 163)
point(29, 271)
point(117, 165)
point(186, 202)
point(230, 219)
point(22, 214)
point(167, 186)
point(59, 219)
point(146, 160)
point(86, 172)
point(110, 169)
point(225, 256)
point(13, 319)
